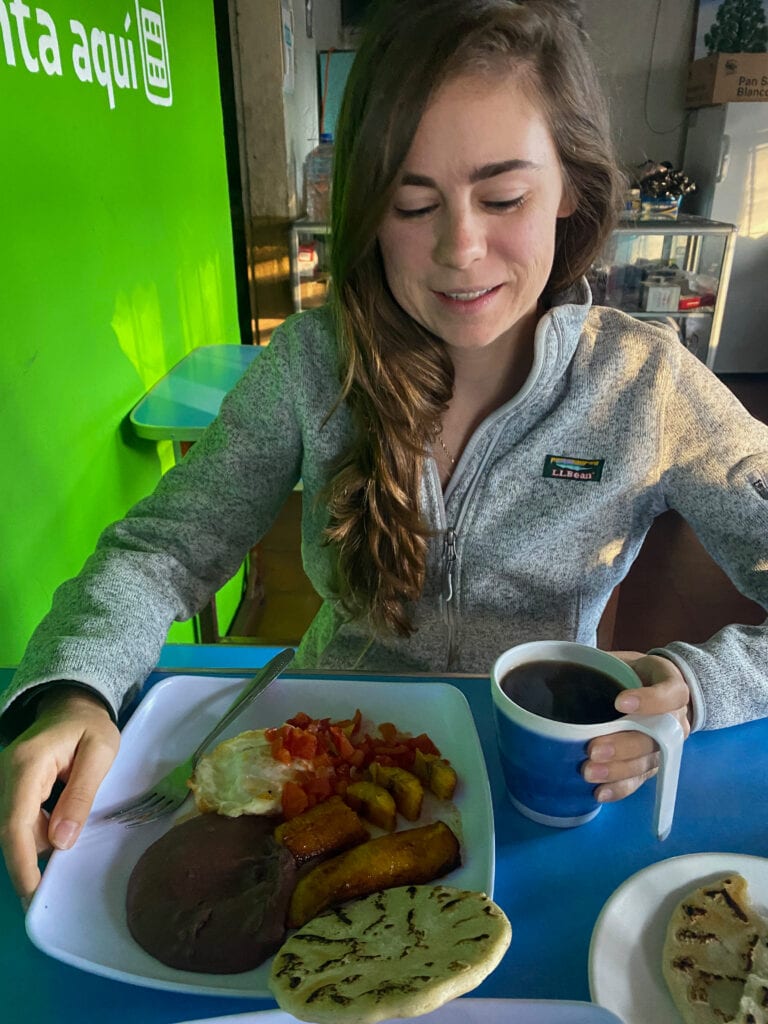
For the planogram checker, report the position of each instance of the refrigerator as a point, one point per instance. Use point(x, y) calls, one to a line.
point(726, 154)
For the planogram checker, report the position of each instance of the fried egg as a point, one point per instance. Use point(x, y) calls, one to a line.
point(240, 776)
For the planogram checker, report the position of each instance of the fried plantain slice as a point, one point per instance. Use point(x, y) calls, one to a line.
point(326, 828)
point(412, 857)
point(404, 787)
point(373, 803)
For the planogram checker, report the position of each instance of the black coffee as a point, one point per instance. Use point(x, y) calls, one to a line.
point(563, 691)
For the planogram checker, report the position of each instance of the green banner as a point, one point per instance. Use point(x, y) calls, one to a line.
point(115, 261)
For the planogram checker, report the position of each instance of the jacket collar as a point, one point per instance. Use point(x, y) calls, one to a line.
point(556, 338)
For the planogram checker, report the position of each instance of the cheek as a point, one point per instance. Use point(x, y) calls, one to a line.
point(526, 243)
point(403, 252)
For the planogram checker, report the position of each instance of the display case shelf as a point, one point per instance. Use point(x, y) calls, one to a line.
point(310, 263)
point(678, 314)
point(659, 269)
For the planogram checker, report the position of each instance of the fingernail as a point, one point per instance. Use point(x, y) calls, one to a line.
point(602, 753)
point(596, 773)
point(65, 834)
point(627, 702)
point(604, 795)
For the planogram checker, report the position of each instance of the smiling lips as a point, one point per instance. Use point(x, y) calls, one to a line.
point(468, 301)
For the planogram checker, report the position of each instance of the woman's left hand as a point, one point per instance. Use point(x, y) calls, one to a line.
point(620, 763)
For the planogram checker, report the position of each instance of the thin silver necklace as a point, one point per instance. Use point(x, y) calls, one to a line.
point(443, 445)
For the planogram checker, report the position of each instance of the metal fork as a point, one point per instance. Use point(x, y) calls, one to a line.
point(171, 791)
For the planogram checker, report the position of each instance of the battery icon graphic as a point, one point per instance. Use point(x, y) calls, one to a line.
point(153, 45)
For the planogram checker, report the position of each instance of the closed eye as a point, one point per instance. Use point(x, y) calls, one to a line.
point(419, 212)
point(505, 204)
point(499, 205)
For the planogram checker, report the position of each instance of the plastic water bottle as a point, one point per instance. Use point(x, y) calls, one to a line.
point(318, 169)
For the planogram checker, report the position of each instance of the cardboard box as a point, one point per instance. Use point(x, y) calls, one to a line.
point(727, 78)
point(659, 297)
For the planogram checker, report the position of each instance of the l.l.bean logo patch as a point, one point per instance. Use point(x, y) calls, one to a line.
point(568, 467)
point(759, 483)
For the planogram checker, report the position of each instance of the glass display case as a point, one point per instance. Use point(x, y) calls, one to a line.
point(673, 271)
point(310, 268)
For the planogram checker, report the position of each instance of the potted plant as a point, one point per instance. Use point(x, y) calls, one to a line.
point(661, 190)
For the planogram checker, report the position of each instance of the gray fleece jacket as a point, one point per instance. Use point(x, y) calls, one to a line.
point(544, 515)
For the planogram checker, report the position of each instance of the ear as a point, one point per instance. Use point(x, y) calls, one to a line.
point(567, 205)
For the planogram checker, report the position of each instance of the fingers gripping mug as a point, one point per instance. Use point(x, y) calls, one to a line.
point(550, 698)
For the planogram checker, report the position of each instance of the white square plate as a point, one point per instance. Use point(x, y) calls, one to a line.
point(467, 1011)
point(78, 912)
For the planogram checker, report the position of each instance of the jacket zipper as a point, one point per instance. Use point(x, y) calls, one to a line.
point(450, 546)
point(449, 564)
point(450, 550)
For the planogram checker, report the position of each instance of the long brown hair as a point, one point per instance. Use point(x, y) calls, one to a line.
point(397, 377)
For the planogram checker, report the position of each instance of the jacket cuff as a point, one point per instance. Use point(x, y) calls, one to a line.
point(21, 712)
point(698, 707)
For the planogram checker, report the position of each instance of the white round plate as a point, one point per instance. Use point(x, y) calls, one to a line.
point(625, 953)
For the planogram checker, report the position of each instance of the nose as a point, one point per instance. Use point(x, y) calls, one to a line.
point(460, 239)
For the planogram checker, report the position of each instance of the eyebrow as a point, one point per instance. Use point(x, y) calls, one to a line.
point(479, 174)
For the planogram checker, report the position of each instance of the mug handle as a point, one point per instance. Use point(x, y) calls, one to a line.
point(668, 733)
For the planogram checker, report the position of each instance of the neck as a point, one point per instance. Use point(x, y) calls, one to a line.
point(491, 375)
point(484, 379)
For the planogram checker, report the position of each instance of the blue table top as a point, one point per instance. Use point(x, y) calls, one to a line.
point(552, 883)
point(183, 402)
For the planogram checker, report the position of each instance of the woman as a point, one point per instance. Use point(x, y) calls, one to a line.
point(474, 187)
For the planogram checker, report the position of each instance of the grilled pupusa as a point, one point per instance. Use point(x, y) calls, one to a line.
point(397, 953)
point(715, 959)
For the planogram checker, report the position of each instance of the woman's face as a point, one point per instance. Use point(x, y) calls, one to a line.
point(468, 241)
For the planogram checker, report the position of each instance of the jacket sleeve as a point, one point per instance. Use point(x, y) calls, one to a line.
point(715, 475)
point(174, 549)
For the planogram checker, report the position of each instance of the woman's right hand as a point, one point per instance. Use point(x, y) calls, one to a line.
point(72, 739)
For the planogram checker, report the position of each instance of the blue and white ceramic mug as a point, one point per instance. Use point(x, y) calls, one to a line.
point(541, 758)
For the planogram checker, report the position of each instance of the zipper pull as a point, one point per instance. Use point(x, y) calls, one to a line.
point(450, 561)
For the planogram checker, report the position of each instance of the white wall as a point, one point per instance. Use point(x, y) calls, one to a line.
point(642, 49)
point(329, 32)
point(258, 68)
point(638, 46)
point(301, 108)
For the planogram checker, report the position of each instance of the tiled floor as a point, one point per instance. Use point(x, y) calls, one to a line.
point(674, 590)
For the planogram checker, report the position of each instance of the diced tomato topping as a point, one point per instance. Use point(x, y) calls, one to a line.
point(357, 758)
point(394, 752)
point(294, 800)
point(423, 743)
point(301, 720)
point(350, 726)
point(302, 744)
point(338, 753)
point(343, 744)
point(321, 789)
point(388, 732)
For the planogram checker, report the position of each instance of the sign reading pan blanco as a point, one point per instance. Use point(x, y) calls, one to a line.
point(31, 39)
